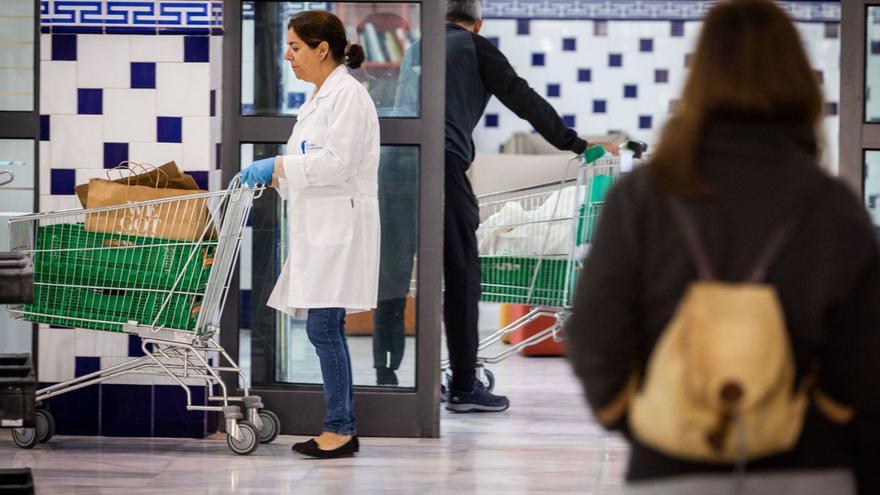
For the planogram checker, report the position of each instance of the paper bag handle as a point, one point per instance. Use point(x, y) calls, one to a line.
point(143, 167)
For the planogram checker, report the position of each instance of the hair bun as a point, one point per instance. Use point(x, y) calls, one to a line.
point(354, 55)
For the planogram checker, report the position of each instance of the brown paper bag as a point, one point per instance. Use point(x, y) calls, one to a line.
point(166, 176)
point(179, 220)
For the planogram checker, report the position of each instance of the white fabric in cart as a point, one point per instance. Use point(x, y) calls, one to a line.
point(532, 232)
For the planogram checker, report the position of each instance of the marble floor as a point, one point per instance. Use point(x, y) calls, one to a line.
point(545, 444)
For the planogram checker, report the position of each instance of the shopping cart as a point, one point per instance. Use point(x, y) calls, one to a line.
point(159, 269)
point(532, 243)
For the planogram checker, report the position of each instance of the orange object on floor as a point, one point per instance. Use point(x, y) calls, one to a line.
point(548, 347)
point(509, 313)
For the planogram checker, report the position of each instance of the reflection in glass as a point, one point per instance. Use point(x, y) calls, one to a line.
point(16, 55)
point(872, 65)
point(872, 187)
point(389, 33)
point(274, 347)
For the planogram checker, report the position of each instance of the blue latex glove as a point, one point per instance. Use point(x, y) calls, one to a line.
point(258, 172)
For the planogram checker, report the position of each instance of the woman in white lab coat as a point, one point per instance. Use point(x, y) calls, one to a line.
point(329, 178)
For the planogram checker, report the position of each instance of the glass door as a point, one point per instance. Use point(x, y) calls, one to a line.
point(395, 348)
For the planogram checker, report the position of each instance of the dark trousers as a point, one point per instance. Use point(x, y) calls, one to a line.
point(461, 272)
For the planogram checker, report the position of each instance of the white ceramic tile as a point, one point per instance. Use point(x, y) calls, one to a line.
point(155, 153)
point(84, 175)
point(103, 61)
point(197, 143)
point(128, 379)
point(45, 47)
point(215, 180)
point(57, 351)
point(58, 87)
point(129, 115)
point(77, 141)
point(149, 48)
point(183, 89)
point(45, 166)
point(216, 57)
point(245, 261)
point(57, 203)
point(95, 343)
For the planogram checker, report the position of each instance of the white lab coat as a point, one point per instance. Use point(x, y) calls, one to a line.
point(330, 186)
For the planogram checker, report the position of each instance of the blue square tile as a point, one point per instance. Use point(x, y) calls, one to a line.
point(569, 44)
point(600, 106)
point(63, 47)
point(522, 27)
point(201, 178)
point(646, 45)
point(491, 120)
point(134, 346)
point(630, 91)
point(45, 30)
point(114, 154)
point(44, 128)
point(295, 99)
point(585, 75)
point(496, 42)
point(661, 76)
point(832, 30)
point(219, 161)
point(85, 365)
point(75, 412)
point(195, 48)
point(169, 129)
point(143, 75)
point(569, 120)
point(615, 60)
point(832, 108)
point(90, 101)
point(171, 418)
point(553, 90)
point(538, 59)
point(126, 410)
point(244, 305)
point(676, 29)
point(644, 121)
point(62, 181)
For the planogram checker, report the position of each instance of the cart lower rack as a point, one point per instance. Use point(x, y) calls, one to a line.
point(159, 269)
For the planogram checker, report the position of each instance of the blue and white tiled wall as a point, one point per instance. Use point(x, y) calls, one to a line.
point(135, 80)
point(621, 65)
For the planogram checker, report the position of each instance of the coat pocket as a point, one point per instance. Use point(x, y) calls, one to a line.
point(330, 221)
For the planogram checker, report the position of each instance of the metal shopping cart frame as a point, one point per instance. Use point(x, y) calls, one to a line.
point(186, 355)
point(548, 298)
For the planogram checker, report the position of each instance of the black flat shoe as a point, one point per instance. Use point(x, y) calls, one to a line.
point(356, 442)
point(311, 449)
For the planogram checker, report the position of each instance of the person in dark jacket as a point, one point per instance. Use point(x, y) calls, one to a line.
point(740, 154)
point(475, 71)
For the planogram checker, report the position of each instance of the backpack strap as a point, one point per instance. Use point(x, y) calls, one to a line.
point(704, 266)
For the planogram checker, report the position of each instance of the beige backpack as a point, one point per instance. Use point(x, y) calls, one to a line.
point(720, 383)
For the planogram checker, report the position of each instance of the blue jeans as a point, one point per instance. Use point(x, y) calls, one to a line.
point(326, 330)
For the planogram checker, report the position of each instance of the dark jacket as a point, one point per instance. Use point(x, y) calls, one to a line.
point(476, 70)
point(827, 276)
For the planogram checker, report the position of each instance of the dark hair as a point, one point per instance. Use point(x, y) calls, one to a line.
point(464, 11)
point(750, 65)
point(315, 26)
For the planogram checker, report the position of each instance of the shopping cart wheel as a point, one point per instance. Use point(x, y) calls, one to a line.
point(25, 438)
point(271, 426)
point(488, 379)
point(249, 442)
point(45, 426)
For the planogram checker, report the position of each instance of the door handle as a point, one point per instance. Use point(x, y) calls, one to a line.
point(4, 181)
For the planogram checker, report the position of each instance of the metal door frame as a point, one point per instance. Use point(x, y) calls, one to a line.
point(380, 412)
point(856, 135)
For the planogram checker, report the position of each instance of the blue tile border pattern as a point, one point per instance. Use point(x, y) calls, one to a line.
point(132, 16)
point(635, 10)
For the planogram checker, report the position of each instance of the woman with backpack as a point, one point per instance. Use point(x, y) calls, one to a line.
point(727, 320)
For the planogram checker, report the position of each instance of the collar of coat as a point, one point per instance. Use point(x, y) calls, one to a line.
point(330, 84)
